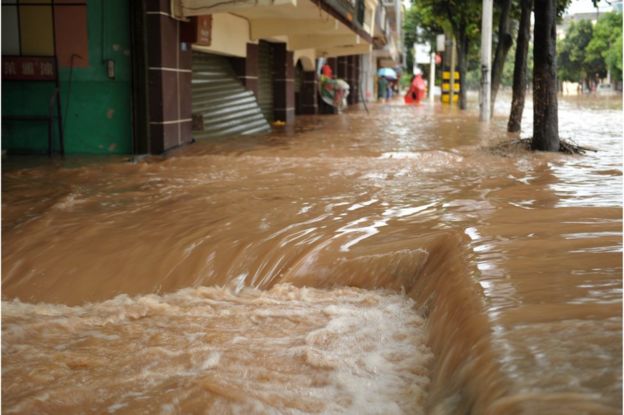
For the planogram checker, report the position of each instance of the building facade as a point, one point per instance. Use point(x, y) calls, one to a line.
point(143, 77)
point(80, 49)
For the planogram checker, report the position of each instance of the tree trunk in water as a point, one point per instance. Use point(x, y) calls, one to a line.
point(520, 68)
point(462, 52)
point(502, 48)
point(545, 117)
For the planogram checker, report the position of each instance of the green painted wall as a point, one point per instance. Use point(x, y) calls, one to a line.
point(96, 110)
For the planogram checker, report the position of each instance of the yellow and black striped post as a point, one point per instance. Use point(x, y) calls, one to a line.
point(446, 87)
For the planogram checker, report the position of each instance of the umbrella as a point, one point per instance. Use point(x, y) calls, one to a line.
point(388, 73)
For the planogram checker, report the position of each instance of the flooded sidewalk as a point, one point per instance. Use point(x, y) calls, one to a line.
point(499, 276)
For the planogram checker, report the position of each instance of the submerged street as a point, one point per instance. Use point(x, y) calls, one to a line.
point(440, 275)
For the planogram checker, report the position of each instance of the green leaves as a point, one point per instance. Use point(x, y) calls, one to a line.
point(588, 50)
point(574, 61)
point(606, 42)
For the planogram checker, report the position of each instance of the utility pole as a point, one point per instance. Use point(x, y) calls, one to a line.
point(452, 83)
point(432, 76)
point(486, 61)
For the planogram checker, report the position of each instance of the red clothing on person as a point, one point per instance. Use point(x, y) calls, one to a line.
point(417, 90)
point(327, 71)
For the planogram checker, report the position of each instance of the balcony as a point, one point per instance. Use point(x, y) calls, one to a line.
point(342, 28)
point(353, 11)
point(186, 8)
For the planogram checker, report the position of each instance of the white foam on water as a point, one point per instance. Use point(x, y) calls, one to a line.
point(218, 350)
point(115, 407)
point(212, 361)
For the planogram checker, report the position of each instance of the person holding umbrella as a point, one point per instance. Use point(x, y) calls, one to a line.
point(389, 73)
point(386, 76)
point(382, 88)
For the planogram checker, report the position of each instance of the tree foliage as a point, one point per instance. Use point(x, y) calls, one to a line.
point(419, 26)
point(459, 17)
point(462, 18)
point(575, 63)
point(606, 43)
point(421, 16)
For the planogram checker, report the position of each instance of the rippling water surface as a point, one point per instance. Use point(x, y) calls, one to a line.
point(219, 351)
point(177, 284)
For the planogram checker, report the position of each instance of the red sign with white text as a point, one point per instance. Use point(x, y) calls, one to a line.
point(28, 68)
point(204, 30)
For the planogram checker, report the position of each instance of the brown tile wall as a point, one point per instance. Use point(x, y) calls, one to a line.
point(309, 94)
point(251, 68)
point(341, 71)
point(283, 84)
point(169, 65)
point(246, 69)
point(353, 76)
point(350, 80)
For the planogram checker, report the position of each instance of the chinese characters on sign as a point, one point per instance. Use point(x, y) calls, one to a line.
point(197, 31)
point(204, 30)
point(21, 68)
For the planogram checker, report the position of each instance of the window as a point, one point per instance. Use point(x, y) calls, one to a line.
point(46, 28)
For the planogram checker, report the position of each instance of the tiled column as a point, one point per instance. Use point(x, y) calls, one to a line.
point(356, 79)
point(354, 76)
point(283, 84)
point(169, 79)
point(309, 93)
point(341, 71)
point(351, 80)
point(246, 69)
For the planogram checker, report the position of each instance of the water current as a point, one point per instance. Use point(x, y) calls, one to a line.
point(360, 263)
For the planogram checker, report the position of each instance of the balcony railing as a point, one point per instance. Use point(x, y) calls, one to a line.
point(353, 11)
point(187, 8)
point(361, 11)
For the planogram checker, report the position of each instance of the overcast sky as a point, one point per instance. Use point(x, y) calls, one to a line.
point(586, 6)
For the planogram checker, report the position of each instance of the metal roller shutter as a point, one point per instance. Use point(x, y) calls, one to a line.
point(221, 104)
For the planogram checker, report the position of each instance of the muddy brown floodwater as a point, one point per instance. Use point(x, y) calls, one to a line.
point(383, 263)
